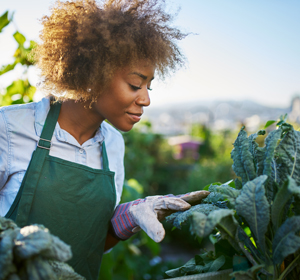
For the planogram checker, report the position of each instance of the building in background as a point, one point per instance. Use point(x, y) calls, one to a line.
point(185, 147)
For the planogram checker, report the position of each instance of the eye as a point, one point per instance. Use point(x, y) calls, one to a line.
point(134, 87)
point(149, 86)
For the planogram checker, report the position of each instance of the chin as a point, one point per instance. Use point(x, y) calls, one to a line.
point(124, 128)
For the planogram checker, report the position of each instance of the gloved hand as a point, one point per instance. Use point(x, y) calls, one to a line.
point(194, 198)
point(146, 213)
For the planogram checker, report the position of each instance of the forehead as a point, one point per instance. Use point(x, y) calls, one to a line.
point(144, 70)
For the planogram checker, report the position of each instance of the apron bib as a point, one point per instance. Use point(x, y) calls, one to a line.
point(73, 201)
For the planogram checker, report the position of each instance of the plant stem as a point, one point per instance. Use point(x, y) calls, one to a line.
point(289, 268)
point(249, 256)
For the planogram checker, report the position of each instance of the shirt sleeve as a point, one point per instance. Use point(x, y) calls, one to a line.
point(121, 173)
point(4, 150)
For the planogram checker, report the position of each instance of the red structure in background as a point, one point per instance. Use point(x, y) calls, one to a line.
point(185, 147)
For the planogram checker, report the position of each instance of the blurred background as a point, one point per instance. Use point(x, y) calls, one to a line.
point(243, 68)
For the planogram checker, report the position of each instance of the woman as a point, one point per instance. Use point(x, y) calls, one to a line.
point(61, 165)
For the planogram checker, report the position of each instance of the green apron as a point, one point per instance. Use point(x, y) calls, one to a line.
point(73, 201)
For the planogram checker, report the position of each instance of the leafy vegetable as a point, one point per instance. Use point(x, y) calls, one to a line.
point(205, 262)
point(287, 158)
point(243, 164)
point(33, 253)
point(286, 240)
point(248, 274)
point(283, 196)
point(263, 222)
point(254, 207)
point(180, 217)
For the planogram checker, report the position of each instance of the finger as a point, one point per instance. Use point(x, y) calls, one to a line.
point(162, 214)
point(195, 197)
point(171, 203)
point(155, 231)
point(146, 218)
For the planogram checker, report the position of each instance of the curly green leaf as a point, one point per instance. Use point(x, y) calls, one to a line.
point(249, 274)
point(179, 218)
point(269, 164)
point(282, 198)
point(227, 193)
point(254, 207)
point(243, 164)
point(286, 240)
point(288, 157)
point(223, 219)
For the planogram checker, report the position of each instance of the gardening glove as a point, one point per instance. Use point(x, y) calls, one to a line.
point(194, 198)
point(146, 213)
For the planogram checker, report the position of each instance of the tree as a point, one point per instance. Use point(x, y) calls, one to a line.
point(19, 91)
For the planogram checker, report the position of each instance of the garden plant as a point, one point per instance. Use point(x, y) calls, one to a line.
point(256, 216)
point(32, 253)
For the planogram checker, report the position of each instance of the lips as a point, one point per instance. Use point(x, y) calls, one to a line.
point(135, 116)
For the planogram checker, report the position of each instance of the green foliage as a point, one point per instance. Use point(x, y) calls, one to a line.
point(264, 221)
point(33, 253)
point(131, 259)
point(249, 274)
point(282, 200)
point(206, 150)
point(222, 192)
point(180, 217)
point(142, 153)
point(254, 207)
point(287, 158)
point(20, 91)
point(222, 219)
point(4, 20)
point(207, 171)
point(205, 262)
point(243, 164)
point(149, 159)
point(286, 240)
point(269, 123)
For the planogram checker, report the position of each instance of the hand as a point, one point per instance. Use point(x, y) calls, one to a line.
point(194, 198)
point(146, 213)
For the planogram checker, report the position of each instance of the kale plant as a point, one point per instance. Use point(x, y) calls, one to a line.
point(32, 253)
point(261, 215)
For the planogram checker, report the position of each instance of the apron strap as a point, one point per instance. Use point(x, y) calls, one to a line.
point(38, 156)
point(104, 157)
point(49, 126)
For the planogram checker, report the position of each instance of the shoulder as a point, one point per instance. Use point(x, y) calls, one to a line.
point(111, 134)
point(16, 108)
point(26, 109)
point(114, 142)
point(25, 116)
point(17, 115)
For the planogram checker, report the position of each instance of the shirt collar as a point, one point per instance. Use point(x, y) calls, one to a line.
point(41, 112)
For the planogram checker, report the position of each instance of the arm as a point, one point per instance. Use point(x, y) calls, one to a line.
point(111, 240)
point(4, 148)
point(147, 213)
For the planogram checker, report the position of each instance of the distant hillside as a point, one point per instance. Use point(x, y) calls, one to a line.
point(177, 119)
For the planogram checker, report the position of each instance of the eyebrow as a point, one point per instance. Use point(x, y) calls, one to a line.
point(141, 75)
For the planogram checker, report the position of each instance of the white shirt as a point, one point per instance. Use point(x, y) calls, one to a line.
point(20, 129)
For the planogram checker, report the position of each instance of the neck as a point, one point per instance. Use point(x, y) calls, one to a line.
point(77, 119)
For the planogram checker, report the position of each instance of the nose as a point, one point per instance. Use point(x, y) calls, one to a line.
point(143, 98)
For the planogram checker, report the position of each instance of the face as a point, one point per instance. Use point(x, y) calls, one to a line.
point(123, 101)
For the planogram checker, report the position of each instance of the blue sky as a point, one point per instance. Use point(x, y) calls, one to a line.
point(244, 49)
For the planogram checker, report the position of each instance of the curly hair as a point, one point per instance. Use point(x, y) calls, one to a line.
point(85, 42)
